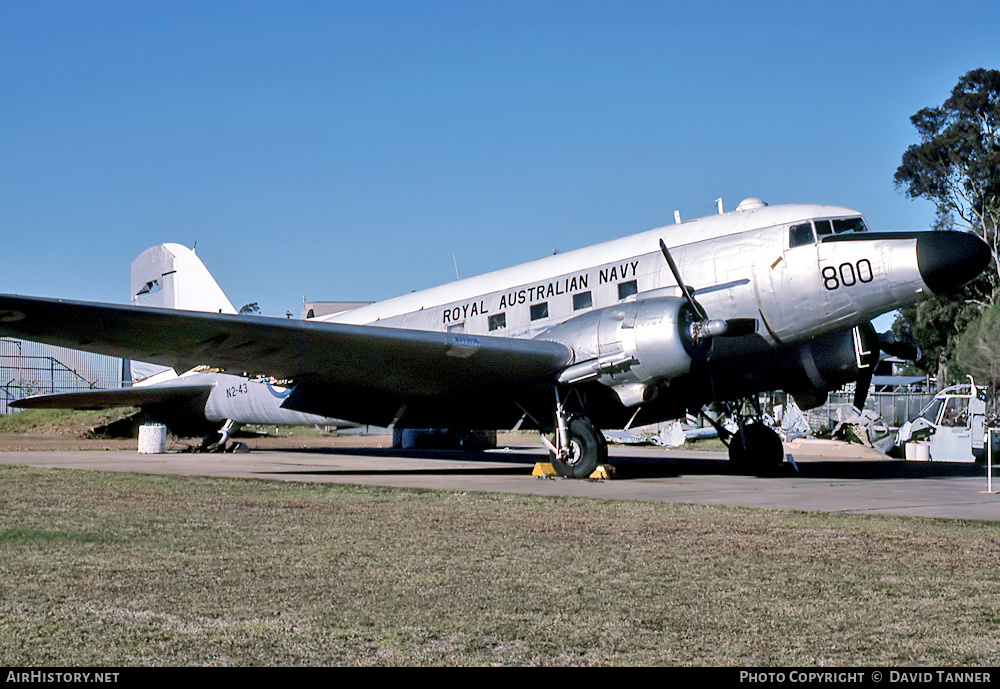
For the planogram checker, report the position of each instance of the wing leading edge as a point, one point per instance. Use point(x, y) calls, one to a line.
point(391, 364)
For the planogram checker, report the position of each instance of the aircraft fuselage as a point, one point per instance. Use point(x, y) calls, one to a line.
point(743, 264)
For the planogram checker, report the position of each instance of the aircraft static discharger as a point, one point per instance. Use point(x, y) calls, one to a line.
point(631, 331)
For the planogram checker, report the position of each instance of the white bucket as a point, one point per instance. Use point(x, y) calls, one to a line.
point(152, 439)
point(918, 451)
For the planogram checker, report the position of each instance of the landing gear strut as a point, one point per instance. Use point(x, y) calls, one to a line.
point(216, 440)
point(579, 446)
point(585, 450)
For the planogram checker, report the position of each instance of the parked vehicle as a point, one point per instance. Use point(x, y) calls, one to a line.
point(952, 428)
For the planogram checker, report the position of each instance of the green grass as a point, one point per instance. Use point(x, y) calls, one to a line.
point(121, 569)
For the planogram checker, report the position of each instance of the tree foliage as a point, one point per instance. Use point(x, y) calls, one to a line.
point(956, 166)
point(977, 349)
point(935, 326)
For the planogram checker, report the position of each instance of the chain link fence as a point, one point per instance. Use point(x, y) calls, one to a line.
point(29, 368)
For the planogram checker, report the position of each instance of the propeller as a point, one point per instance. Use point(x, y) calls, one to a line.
point(708, 327)
point(893, 346)
point(861, 387)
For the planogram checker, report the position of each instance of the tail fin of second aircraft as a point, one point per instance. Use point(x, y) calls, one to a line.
point(171, 276)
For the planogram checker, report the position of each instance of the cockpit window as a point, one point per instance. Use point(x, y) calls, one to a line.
point(849, 225)
point(800, 235)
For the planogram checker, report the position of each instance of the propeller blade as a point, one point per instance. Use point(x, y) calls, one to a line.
point(893, 346)
point(684, 288)
point(861, 388)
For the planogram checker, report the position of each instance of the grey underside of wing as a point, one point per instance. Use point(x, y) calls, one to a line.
point(109, 399)
point(391, 360)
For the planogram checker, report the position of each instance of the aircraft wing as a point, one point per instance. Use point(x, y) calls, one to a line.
point(391, 362)
point(110, 399)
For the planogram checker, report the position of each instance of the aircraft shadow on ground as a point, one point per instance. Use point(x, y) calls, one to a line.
point(635, 466)
point(423, 471)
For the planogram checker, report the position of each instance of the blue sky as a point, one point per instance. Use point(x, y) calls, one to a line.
point(358, 150)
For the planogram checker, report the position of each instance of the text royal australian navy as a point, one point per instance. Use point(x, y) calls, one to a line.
point(534, 293)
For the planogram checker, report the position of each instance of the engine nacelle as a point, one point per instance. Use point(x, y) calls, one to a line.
point(826, 363)
point(806, 370)
point(629, 347)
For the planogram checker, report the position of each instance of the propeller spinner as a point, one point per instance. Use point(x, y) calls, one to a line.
point(707, 327)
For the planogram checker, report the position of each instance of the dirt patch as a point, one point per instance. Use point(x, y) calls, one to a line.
point(25, 442)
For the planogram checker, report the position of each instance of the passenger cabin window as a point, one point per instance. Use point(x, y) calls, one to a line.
point(800, 235)
point(539, 311)
point(627, 289)
point(582, 300)
point(497, 321)
point(457, 327)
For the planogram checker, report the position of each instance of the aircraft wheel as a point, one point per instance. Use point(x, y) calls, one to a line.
point(588, 449)
point(756, 448)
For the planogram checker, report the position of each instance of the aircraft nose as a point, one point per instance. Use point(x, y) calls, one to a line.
point(949, 259)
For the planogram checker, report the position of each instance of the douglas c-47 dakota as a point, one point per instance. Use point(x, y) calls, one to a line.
point(630, 331)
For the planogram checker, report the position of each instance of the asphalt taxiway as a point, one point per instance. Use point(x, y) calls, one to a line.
point(826, 482)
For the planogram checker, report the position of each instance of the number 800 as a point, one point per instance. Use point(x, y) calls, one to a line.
point(847, 274)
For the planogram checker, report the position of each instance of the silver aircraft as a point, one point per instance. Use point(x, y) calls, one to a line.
point(199, 401)
point(627, 332)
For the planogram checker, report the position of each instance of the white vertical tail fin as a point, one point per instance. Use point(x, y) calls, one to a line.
point(171, 276)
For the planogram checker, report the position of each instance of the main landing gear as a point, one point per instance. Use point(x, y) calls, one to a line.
point(579, 446)
point(216, 440)
point(584, 451)
point(755, 447)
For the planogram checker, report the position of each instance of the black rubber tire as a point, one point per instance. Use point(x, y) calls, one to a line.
point(590, 450)
point(756, 449)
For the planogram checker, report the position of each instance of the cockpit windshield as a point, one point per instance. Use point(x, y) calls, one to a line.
point(849, 225)
point(803, 233)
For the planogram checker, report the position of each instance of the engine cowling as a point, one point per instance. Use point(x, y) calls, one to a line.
point(807, 370)
point(828, 362)
point(629, 347)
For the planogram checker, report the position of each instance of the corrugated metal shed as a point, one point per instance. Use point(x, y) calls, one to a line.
point(29, 368)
